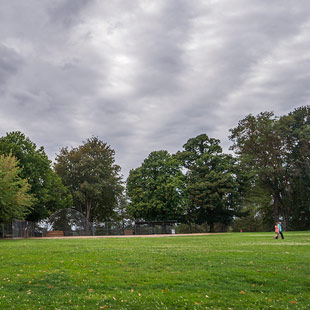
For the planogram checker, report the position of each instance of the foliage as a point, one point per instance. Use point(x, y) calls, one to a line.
point(69, 221)
point(50, 195)
point(237, 271)
point(121, 215)
point(190, 228)
point(212, 181)
point(15, 200)
point(156, 189)
point(296, 131)
point(92, 177)
point(254, 220)
point(256, 209)
point(276, 152)
point(258, 143)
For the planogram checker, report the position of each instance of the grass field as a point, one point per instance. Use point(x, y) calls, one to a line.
point(229, 271)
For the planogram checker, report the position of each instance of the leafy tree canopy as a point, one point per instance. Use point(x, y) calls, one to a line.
point(259, 145)
point(92, 177)
point(156, 188)
point(15, 200)
point(46, 186)
point(212, 181)
point(277, 150)
point(295, 128)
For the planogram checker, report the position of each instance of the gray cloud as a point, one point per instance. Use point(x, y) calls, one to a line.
point(66, 12)
point(9, 64)
point(148, 75)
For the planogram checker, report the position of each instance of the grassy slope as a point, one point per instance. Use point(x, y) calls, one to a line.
point(231, 271)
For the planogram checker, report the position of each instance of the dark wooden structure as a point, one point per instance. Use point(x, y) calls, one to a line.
point(55, 233)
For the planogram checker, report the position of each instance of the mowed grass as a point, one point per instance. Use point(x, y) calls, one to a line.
point(228, 271)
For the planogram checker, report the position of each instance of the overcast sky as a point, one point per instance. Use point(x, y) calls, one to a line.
point(148, 75)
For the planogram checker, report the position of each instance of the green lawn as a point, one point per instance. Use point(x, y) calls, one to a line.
point(229, 271)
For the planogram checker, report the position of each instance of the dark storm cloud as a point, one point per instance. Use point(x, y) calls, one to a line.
point(148, 75)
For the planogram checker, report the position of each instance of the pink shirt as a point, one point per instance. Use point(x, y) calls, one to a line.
point(276, 228)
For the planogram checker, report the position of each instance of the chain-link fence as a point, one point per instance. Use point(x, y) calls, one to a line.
point(17, 229)
point(155, 227)
point(73, 225)
point(109, 228)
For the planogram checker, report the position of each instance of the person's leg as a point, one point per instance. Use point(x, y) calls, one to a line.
point(281, 235)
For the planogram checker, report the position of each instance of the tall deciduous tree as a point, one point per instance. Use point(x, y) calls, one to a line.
point(295, 129)
point(259, 144)
point(15, 200)
point(278, 151)
point(156, 188)
point(92, 177)
point(212, 181)
point(46, 186)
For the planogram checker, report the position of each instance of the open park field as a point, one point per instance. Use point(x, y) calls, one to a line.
point(225, 271)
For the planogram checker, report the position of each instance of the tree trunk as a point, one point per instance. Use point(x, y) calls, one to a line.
point(276, 203)
point(211, 227)
point(88, 208)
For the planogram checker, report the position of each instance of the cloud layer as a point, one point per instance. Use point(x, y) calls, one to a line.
point(148, 75)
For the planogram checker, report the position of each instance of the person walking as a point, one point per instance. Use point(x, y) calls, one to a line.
point(276, 230)
point(280, 229)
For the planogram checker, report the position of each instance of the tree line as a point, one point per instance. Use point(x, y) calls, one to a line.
point(266, 177)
